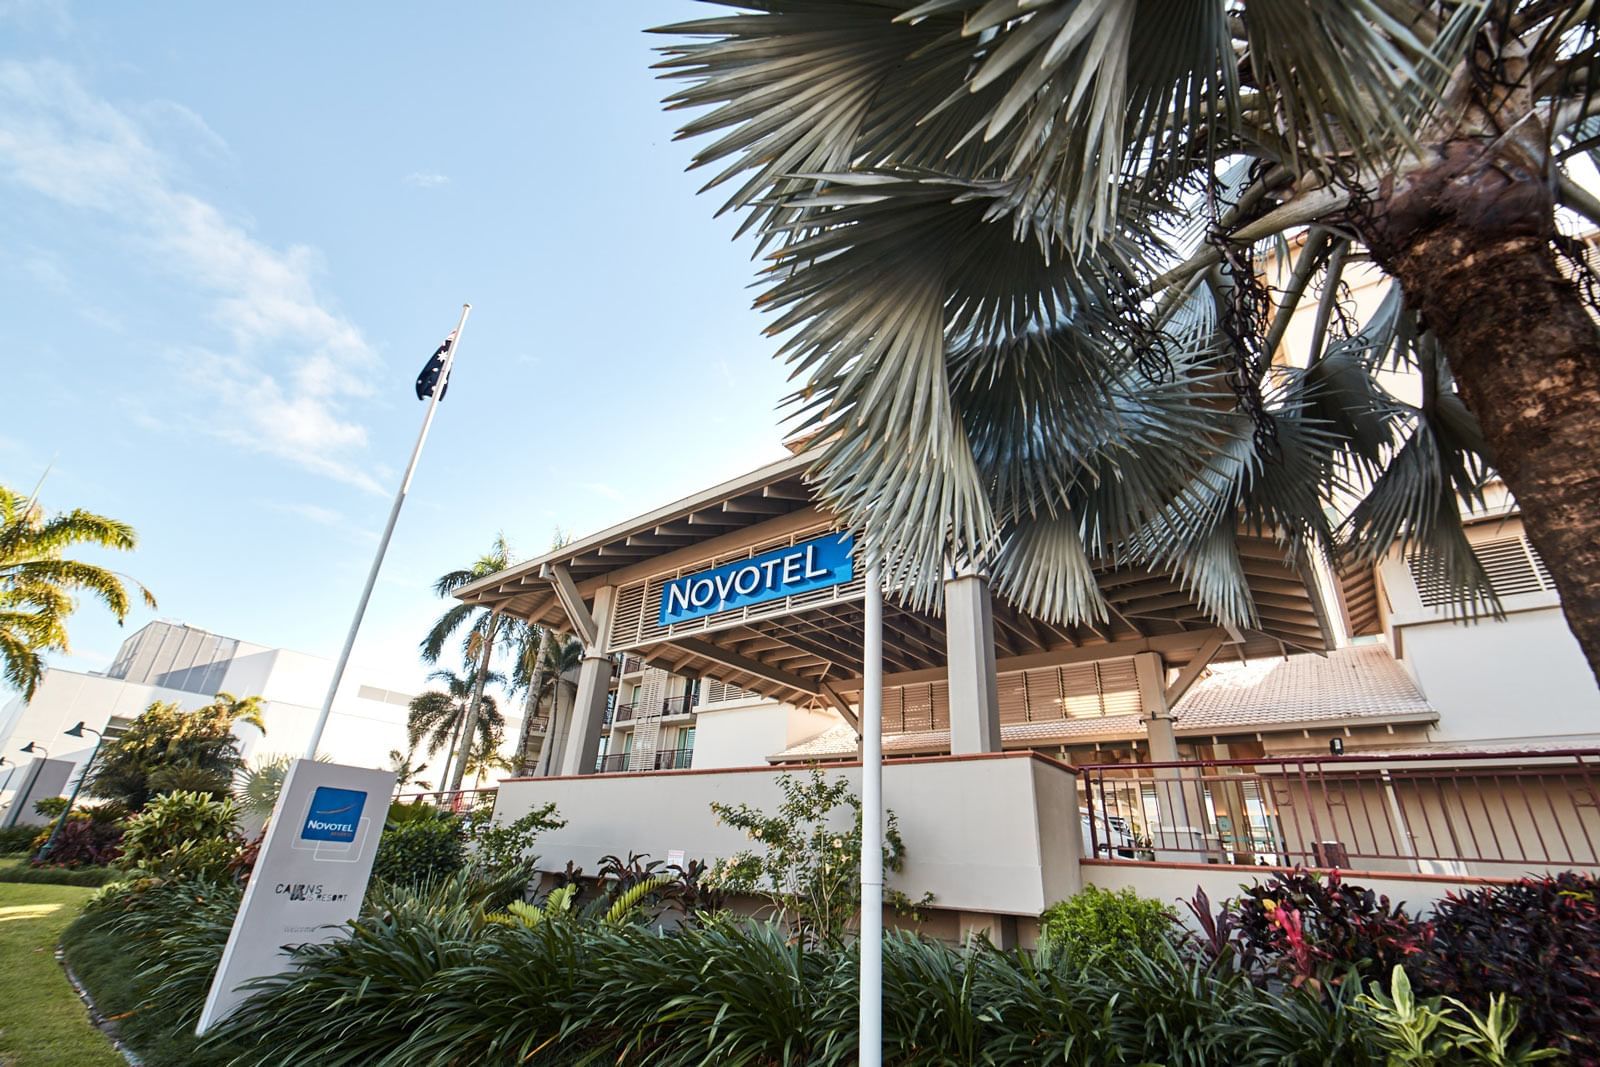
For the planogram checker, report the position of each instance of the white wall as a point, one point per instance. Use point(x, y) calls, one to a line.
point(995, 835)
point(744, 734)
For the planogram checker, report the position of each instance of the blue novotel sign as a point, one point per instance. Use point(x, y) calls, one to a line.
point(814, 564)
point(334, 815)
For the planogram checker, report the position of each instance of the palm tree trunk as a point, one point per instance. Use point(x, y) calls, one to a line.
point(460, 769)
point(1470, 244)
point(535, 693)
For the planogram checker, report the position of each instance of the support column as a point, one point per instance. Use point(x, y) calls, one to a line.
point(969, 648)
point(582, 747)
point(1182, 828)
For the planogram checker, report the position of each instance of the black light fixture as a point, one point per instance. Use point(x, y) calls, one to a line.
point(1336, 745)
point(34, 746)
point(75, 731)
point(78, 730)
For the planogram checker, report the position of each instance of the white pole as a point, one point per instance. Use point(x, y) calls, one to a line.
point(388, 532)
point(870, 1053)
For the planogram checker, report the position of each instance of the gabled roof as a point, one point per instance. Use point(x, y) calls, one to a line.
point(1361, 685)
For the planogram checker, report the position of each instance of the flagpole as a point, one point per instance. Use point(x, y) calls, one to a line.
point(388, 532)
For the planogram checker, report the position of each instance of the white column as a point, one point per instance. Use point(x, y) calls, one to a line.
point(870, 1052)
point(1182, 803)
point(969, 649)
point(594, 682)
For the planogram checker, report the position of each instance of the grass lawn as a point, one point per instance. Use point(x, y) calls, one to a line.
point(42, 1021)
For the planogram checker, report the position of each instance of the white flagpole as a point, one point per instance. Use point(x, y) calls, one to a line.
point(870, 1046)
point(388, 532)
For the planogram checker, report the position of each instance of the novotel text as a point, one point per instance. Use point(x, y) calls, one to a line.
point(813, 564)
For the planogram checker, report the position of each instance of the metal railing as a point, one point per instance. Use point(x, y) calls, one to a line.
point(451, 800)
point(674, 759)
point(625, 712)
point(615, 761)
point(632, 664)
point(1450, 813)
point(678, 705)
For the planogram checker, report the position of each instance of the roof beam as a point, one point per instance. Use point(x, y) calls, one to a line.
point(717, 654)
point(841, 705)
point(1191, 673)
point(754, 505)
point(571, 602)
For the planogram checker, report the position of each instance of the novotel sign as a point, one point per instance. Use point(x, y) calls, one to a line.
point(814, 564)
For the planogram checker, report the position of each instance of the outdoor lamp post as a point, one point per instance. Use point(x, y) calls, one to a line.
point(76, 731)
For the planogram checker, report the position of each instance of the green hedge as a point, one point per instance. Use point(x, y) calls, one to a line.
point(20, 870)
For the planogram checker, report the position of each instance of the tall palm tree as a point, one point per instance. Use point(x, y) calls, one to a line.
point(1017, 251)
point(485, 756)
point(438, 720)
point(37, 582)
point(485, 630)
point(538, 673)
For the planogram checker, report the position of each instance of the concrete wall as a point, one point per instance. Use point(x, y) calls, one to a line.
point(995, 835)
point(744, 734)
point(1176, 883)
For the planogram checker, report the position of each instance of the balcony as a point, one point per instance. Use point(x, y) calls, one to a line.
point(671, 707)
point(610, 764)
point(625, 712)
point(674, 759)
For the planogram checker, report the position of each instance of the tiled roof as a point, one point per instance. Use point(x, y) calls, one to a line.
point(1348, 683)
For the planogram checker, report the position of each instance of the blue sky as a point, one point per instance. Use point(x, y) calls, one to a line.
point(232, 236)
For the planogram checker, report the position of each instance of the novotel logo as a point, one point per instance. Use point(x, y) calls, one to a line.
point(814, 564)
point(334, 814)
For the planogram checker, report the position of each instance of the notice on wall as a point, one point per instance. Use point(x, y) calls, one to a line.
point(310, 877)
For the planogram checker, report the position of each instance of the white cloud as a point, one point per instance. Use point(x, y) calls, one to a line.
point(427, 179)
point(602, 489)
point(284, 383)
point(321, 516)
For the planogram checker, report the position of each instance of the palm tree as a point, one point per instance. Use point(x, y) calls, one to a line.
point(485, 629)
point(543, 660)
point(439, 719)
point(37, 583)
point(1017, 252)
point(407, 771)
point(485, 756)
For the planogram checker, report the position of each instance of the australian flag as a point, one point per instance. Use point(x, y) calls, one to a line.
point(435, 367)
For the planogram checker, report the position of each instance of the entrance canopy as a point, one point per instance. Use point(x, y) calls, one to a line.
point(806, 648)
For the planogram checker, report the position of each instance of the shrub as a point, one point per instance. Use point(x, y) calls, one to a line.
point(1096, 921)
point(1442, 1029)
point(421, 851)
point(50, 807)
point(21, 871)
point(809, 865)
point(183, 835)
point(82, 841)
point(1536, 941)
point(1303, 928)
point(18, 838)
point(504, 847)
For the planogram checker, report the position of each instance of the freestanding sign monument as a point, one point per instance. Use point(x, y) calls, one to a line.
point(310, 877)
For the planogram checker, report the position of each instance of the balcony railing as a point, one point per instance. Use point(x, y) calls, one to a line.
point(661, 709)
point(615, 761)
point(452, 800)
point(1472, 813)
point(678, 705)
point(674, 759)
point(625, 712)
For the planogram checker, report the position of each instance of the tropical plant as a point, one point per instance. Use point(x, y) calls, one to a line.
point(168, 749)
point(183, 836)
point(38, 584)
point(436, 719)
point(407, 770)
point(1441, 1030)
point(1536, 941)
point(809, 860)
point(508, 846)
point(484, 755)
point(421, 851)
point(486, 630)
point(1020, 258)
point(256, 789)
point(1095, 921)
point(83, 841)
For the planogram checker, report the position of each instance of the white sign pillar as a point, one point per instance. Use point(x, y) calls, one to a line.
point(870, 1053)
point(309, 878)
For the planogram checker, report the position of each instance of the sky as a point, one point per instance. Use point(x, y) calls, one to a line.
point(232, 235)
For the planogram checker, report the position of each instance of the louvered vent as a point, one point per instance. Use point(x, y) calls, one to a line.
point(713, 691)
point(1513, 566)
point(638, 606)
point(1074, 691)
